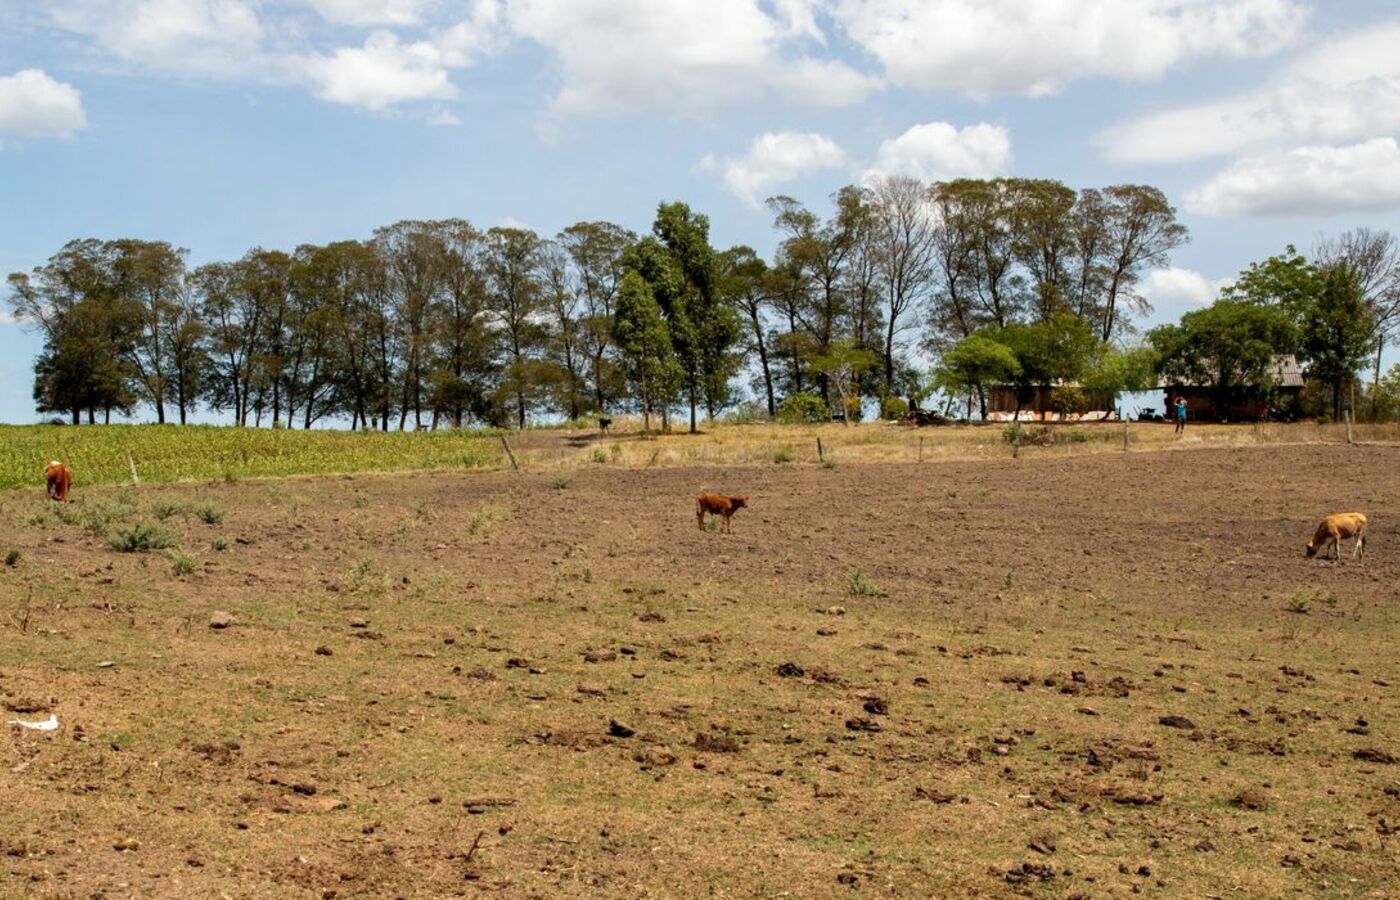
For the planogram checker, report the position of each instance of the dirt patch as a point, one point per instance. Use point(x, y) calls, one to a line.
point(427, 686)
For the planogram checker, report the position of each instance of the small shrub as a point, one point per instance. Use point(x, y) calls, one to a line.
point(828, 463)
point(748, 412)
point(169, 509)
point(12, 558)
point(893, 408)
point(600, 455)
point(560, 482)
point(615, 451)
point(140, 538)
point(803, 407)
point(182, 564)
point(782, 456)
point(1302, 600)
point(220, 544)
point(857, 585)
point(361, 501)
point(1068, 399)
point(1036, 436)
point(209, 514)
point(482, 519)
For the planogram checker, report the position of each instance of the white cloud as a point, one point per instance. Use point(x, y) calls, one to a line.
point(204, 36)
point(444, 117)
point(371, 12)
point(1344, 90)
point(621, 56)
point(1012, 46)
point(1307, 181)
point(383, 73)
point(773, 159)
point(1173, 291)
point(34, 105)
point(937, 151)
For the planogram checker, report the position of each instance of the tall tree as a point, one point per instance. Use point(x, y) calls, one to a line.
point(1230, 346)
point(1338, 332)
point(150, 278)
point(745, 279)
point(597, 251)
point(415, 258)
point(464, 364)
point(704, 336)
point(1140, 230)
point(516, 304)
point(89, 330)
point(640, 330)
point(902, 241)
point(1374, 259)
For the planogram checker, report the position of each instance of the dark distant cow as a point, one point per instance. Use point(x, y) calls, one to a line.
point(604, 423)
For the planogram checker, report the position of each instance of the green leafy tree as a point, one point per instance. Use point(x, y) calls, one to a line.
point(975, 364)
point(643, 339)
point(89, 326)
point(1338, 332)
point(1286, 280)
point(1229, 346)
point(842, 366)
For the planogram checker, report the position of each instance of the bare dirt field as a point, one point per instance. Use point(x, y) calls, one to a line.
point(1057, 676)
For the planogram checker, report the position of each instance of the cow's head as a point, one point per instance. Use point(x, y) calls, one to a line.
point(1311, 550)
point(739, 502)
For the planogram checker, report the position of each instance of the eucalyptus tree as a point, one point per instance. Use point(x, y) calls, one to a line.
point(1373, 257)
point(746, 281)
point(902, 242)
point(597, 251)
point(1140, 230)
point(89, 331)
point(516, 305)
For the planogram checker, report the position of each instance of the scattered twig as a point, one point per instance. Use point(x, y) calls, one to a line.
point(476, 843)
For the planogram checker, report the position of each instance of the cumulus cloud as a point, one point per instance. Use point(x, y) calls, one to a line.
point(34, 105)
point(1172, 291)
point(937, 151)
point(382, 73)
point(1010, 46)
point(1307, 181)
point(620, 56)
point(371, 12)
point(204, 36)
point(1346, 89)
point(775, 158)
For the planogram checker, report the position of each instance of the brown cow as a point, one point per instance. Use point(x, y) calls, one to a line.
point(58, 480)
point(718, 505)
point(1334, 529)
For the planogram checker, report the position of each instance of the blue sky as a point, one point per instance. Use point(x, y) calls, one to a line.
point(219, 125)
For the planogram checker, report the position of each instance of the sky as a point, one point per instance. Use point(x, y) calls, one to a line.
point(220, 125)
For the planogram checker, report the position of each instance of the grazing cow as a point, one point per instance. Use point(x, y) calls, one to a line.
point(604, 424)
point(1334, 529)
point(58, 480)
point(717, 505)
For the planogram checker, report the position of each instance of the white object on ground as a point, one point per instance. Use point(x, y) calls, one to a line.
point(49, 724)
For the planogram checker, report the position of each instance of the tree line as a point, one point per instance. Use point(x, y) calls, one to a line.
point(1334, 313)
point(431, 324)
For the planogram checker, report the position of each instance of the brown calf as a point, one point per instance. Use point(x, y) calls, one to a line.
point(1334, 529)
point(718, 505)
point(58, 480)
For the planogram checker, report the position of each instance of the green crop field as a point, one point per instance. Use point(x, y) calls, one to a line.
point(98, 455)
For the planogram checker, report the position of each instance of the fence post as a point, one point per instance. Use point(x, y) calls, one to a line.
point(821, 457)
point(131, 464)
point(513, 464)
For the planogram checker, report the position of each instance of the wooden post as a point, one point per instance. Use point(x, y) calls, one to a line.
point(506, 444)
point(1347, 414)
point(1124, 413)
point(821, 457)
point(1016, 439)
point(131, 464)
point(921, 448)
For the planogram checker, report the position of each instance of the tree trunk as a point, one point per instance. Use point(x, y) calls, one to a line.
point(77, 416)
point(693, 429)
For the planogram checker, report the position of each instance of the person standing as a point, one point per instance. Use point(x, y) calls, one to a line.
point(1180, 413)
